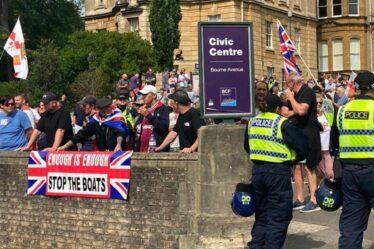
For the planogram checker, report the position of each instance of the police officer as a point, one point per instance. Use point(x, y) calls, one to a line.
point(355, 122)
point(271, 142)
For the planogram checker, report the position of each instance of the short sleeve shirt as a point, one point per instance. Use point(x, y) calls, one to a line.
point(49, 123)
point(187, 126)
point(12, 130)
point(307, 96)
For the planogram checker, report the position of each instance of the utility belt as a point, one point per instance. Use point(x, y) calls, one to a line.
point(261, 167)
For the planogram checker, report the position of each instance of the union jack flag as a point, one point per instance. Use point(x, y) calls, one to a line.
point(115, 120)
point(288, 50)
point(118, 173)
point(37, 173)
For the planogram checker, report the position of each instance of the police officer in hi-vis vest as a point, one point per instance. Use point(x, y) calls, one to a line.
point(355, 122)
point(273, 144)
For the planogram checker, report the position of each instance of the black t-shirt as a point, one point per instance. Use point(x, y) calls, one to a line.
point(51, 121)
point(187, 125)
point(307, 96)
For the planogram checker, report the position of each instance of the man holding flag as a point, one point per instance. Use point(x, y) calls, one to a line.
point(301, 110)
point(15, 47)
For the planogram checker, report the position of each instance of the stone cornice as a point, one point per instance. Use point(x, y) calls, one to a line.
point(192, 2)
point(341, 21)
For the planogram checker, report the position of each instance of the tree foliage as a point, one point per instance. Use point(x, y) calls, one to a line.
point(111, 52)
point(45, 70)
point(45, 20)
point(164, 18)
point(93, 82)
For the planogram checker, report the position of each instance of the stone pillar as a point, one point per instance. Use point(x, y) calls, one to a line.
point(223, 163)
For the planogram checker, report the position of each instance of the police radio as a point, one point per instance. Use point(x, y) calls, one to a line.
point(329, 195)
point(243, 201)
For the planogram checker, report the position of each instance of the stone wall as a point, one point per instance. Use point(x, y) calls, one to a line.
point(175, 201)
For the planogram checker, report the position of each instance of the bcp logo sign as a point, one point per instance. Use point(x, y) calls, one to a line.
point(225, 91)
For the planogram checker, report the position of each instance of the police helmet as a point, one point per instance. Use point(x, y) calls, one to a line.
point(329, 195)
point(364, 81)
point(243, 201)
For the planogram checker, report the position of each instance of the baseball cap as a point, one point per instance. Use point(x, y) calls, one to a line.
point(317, 89)
point(89, 100)
point(364, 81)
point(123, 95)
point(48, 97)
point(181, 97)
point(148, 89)
point(272, 101)
point(102, 103)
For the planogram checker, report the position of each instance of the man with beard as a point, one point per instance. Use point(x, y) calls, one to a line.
point(55, 123)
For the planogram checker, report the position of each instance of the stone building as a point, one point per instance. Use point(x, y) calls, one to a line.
point(297, 16)
point(345, 35)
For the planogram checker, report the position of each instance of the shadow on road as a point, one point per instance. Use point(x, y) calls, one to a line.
point(295, 241)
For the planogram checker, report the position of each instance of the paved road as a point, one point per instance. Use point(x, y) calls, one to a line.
point(321, 230)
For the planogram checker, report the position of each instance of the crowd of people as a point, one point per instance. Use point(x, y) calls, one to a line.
point(139, 118)
point(297, 125)
point(304, 128)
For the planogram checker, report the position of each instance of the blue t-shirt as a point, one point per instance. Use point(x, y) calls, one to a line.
point(12, 130)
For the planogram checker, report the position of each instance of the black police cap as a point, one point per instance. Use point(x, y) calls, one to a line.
point(364, 81)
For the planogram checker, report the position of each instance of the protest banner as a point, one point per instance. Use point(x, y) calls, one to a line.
point(81, 174)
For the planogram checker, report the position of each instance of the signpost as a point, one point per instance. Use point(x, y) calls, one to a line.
point(226, 70)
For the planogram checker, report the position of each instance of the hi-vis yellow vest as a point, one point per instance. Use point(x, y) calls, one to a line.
point(355, 122)
point(266, 140)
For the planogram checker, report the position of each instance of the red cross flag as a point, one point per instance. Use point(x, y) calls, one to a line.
point(15, 47)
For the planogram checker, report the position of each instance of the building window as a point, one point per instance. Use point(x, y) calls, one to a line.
point(322, 8)
point(270, 71)
point(297, 39)
point(353, 7)
point(100, 3)
point(337, 50)
point(336, 7)
point(354, 50)
point(101, 30)
point(269, 34)
point(215, 18)
point(134, 24)
point(323, 56)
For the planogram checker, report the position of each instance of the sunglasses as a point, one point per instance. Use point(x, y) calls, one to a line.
point(319, 102)
point(9, 104)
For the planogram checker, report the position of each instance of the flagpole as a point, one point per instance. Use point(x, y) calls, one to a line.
point(1, 56)
point(302, 59)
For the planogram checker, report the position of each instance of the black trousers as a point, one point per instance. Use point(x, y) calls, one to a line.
point(272, 186)
point(358, 200)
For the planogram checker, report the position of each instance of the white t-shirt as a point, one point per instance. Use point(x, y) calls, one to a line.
point(172, 121)
point(325, 134)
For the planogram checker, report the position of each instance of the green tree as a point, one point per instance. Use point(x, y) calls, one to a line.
point(41, 20)
point(164, 18)
point(112, 53)
point(46, 20)
point(93, 82)
point(45, 69)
